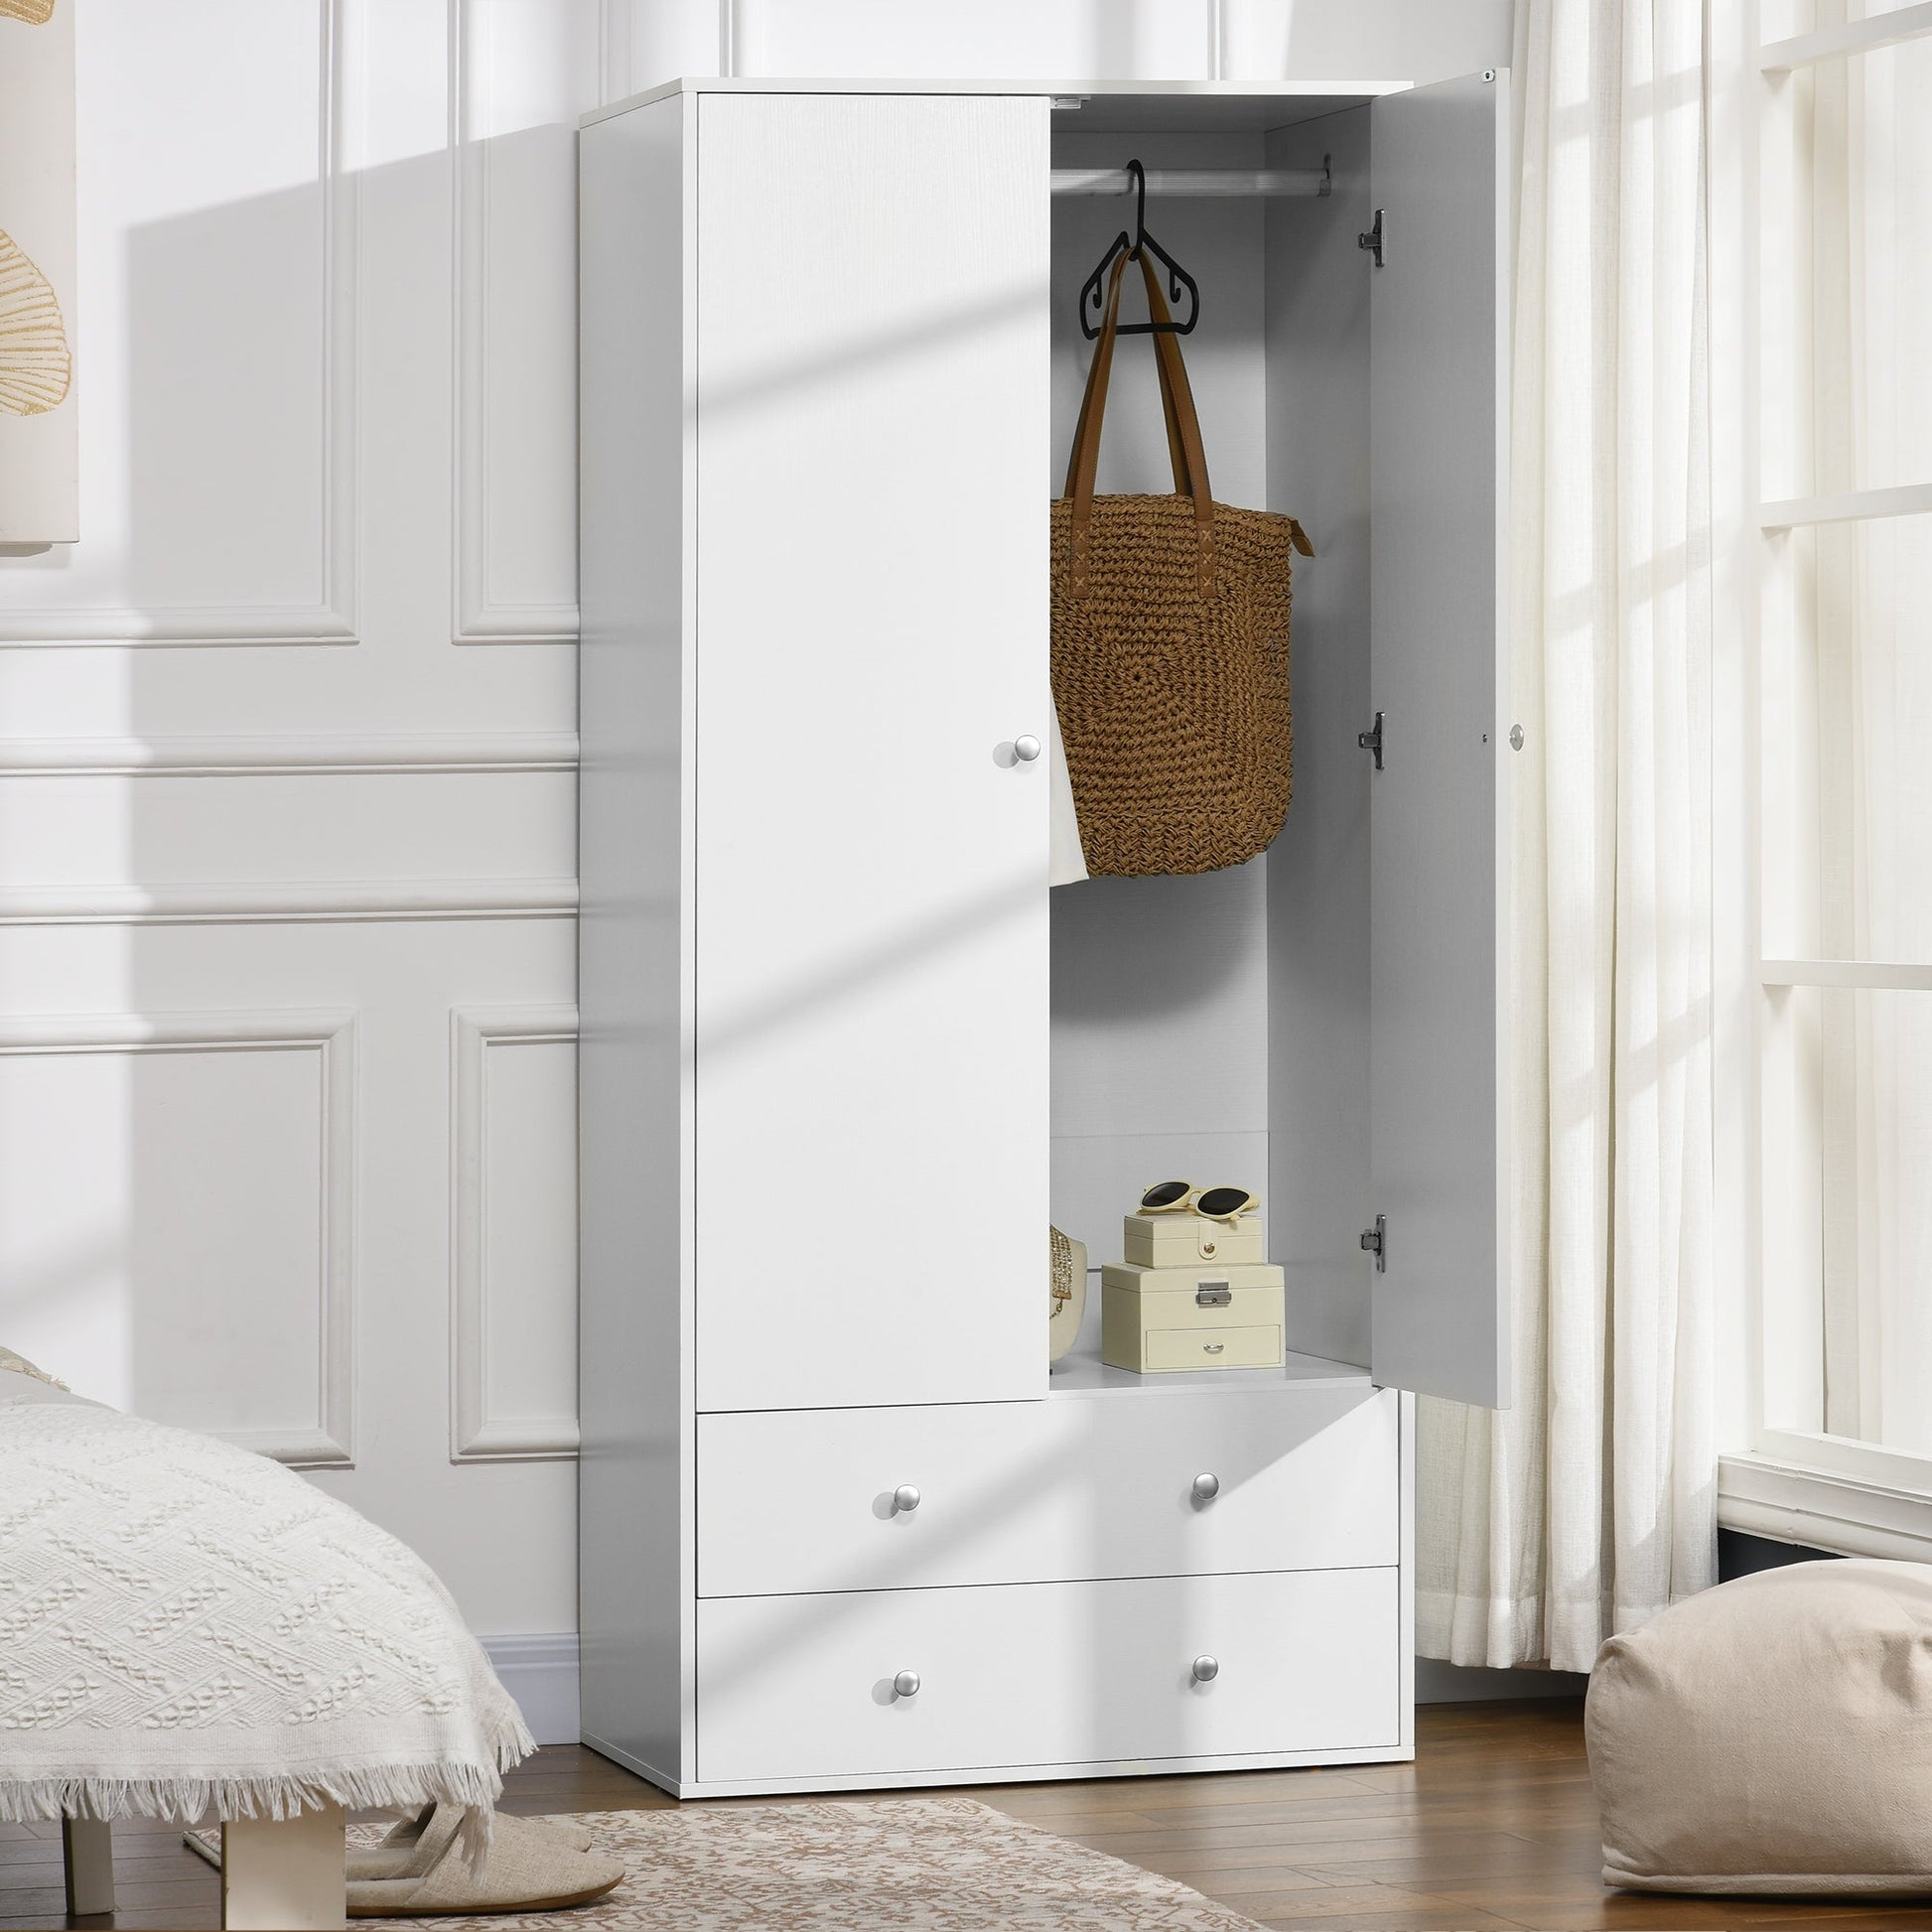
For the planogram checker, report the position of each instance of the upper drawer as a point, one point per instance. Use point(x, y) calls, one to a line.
point(1047, 1491)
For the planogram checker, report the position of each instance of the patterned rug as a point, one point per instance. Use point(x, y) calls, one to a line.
point(926, 1864)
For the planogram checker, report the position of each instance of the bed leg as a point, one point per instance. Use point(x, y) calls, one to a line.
point(284, 1875)
point(87, 1852)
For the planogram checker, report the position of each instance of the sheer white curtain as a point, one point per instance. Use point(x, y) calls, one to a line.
point(1590, 1504)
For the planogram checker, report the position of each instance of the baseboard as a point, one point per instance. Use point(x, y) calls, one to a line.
point(1440, 1683)
point(540, 1673)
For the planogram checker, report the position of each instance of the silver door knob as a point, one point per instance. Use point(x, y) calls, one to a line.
point(1206, 1488)
point(1206, 1669)
point(1025, 749)
point(905, 1497)
point(907, 1684)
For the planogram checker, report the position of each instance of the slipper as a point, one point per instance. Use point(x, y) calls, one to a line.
point(532, 1866)
point(385, 1860)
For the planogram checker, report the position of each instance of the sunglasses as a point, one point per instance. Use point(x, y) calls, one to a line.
point(1184, 1198)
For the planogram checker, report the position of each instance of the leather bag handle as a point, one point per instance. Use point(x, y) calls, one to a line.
point(1176, 451)
point(1097, 370)
point(1173, 384)
point(1177, 403)
point(1184, 448)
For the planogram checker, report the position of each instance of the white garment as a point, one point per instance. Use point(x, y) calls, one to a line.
point(1067, 862)
point(1590, 1504)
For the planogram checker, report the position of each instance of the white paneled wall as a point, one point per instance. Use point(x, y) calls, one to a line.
point(287, 755)
point(287, 742)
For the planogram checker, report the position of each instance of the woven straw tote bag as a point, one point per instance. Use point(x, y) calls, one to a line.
point(1169, 645)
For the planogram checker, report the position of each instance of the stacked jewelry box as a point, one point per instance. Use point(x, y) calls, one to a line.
point(1193, 1293)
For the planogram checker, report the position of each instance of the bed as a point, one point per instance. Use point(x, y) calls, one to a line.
point(188, 1628)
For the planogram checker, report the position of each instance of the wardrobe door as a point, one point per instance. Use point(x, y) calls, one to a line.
point(1438, 817)
point(871, 971)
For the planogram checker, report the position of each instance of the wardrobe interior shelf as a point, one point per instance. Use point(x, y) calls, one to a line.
point(1198, 183)
point(1083, 1373)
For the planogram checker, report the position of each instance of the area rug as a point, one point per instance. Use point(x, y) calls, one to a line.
point(927, 1864)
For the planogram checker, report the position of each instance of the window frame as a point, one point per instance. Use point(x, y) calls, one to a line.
point(1795, 1483)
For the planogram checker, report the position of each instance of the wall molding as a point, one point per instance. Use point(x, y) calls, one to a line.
point(1437, 1682)
point(327, 1442)
point(333, 619)
point(1790, 1503)
point(289, 902)
point(213, 626)
point(270, 754)
point(477, 618)
point(477, 1436)
point(540, 1673)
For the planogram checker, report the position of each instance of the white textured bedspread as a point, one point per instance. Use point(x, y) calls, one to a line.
point(185, 1625)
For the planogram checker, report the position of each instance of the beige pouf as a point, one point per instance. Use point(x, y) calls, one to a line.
point(1772, 1735)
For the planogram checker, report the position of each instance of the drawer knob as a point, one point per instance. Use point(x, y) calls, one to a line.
point(906, 1498)
point(1026, 747)
point(1206, 1669)
point(1206, 1488)
point(907, 1683)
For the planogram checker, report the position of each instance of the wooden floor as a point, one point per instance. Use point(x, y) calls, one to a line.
point(1493, 1826)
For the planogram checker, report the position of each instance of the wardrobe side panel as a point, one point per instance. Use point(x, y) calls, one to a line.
point(634, 1484)
point(1318, 414)
point(872, 931)
point(1439, 831)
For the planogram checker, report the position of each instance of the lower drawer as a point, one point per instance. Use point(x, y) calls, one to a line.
point(1037, 1674)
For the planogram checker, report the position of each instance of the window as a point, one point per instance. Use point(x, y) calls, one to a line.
point(1841, 118)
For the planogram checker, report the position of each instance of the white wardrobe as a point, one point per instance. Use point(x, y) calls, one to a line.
point(845, 1055)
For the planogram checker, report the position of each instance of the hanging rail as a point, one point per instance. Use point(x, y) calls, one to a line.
point(1198, 183)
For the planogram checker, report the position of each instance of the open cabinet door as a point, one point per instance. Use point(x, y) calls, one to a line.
point(1437, 815)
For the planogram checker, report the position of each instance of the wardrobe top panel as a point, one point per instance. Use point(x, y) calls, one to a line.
point(1103, 106)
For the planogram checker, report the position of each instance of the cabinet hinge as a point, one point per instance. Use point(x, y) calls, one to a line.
point(1372, 240)
point(1375, 1241)
point(1371, 740)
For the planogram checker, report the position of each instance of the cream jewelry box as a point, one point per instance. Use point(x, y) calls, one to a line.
point(1155, 1321)
point(1180, 1240)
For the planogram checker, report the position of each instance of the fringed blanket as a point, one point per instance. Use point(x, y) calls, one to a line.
point(186, 1626)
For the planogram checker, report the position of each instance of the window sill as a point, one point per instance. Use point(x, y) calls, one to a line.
point(1795, 1502)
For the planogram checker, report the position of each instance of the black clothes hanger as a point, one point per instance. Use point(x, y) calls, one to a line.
point(1093, 292)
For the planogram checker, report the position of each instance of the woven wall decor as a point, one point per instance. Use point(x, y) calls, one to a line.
point(1169, 650)
point(35, 364)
